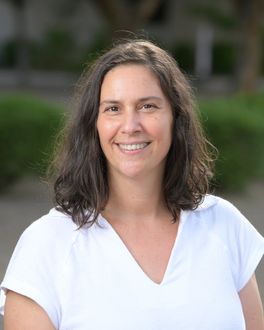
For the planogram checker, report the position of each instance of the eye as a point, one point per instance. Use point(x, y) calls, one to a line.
point(111, 109)
point(149, 106)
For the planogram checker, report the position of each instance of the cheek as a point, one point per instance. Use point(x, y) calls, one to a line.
point(101, 131)
point(163, 129)
point(106, 130)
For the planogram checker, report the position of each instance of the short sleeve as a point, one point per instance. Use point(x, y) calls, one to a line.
point(35, 266)
point(250, 251)
point(242, 243)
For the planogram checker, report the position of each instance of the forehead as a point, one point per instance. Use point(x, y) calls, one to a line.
point(129, 79)
point(130, 69)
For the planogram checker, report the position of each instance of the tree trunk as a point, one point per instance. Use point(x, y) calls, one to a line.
point(127, 17)
point(250, 16)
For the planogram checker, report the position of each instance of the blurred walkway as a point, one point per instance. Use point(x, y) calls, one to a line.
point(29, 199)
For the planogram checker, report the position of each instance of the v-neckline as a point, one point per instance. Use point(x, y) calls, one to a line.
point(124, 249)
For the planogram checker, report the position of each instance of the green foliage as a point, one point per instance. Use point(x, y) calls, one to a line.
point(213, 14)
point(224, 58)
point(8, 54)
point(27, 130)
point(184, 52)
point(236, 127)
point(99, 44)
point(57, 51)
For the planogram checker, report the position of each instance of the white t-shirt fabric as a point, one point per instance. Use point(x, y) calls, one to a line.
point(86, 279)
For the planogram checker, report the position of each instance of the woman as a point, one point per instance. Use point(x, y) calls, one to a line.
point(135, 241)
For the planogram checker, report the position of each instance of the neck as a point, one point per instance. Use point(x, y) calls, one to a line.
point(135, 199)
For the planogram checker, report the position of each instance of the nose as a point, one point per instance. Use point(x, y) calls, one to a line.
point(131, 122)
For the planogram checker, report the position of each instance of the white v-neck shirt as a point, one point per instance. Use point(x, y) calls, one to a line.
point(87, 279)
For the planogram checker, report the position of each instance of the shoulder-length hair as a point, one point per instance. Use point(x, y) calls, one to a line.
point(81, 186)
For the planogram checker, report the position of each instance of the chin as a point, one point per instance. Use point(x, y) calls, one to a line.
point(132, 172)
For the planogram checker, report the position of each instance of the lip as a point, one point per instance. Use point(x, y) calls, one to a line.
point(132, 151)
point(132, 142)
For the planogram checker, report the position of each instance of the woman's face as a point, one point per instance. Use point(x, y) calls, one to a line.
point(134, 122)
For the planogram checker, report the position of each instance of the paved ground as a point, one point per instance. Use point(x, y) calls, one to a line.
point(19, 206)
point(29, 199)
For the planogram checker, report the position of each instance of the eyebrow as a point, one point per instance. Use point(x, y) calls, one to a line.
point(143, 99)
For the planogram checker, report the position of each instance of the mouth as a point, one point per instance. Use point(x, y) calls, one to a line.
point(133, 146)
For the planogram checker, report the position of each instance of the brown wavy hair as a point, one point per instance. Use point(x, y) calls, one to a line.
point(81, 184)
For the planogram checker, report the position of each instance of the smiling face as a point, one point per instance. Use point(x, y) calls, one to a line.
point(134, 122)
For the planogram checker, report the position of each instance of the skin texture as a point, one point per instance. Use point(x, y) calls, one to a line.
point(22, 313)
point(252, 306)
point(133, 109)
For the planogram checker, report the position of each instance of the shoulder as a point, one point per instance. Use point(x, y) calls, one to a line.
point(39, 259)
point(49, 238)
point(54, 224)
point(218, 215)
point(223, 220)
point(213, 203)
point(216, 209)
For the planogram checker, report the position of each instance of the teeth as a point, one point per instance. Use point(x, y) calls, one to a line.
point(133, 146)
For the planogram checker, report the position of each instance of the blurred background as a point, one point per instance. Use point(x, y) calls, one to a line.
point(44, 47)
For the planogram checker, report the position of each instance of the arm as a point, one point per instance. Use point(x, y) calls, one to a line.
point(22, 313)
point(252, 306)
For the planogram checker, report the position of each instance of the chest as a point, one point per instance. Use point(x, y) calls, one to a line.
point(111, 291)
point(150, 247)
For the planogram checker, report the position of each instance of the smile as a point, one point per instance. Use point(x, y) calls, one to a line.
point(136, 146)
